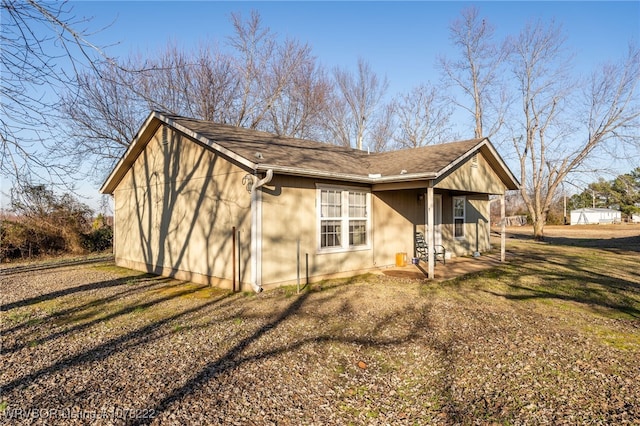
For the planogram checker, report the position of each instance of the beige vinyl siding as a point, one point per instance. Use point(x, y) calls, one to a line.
point(176, 208)
point(289, 213)
point(473, 177)
point(478, 212)
point(396, 216)
point(476, 228)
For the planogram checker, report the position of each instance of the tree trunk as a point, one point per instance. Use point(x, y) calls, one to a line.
point(538, 228)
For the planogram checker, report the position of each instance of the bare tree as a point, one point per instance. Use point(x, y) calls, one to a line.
point(36, 40)
point(212, 87)
point(557, 139)
point(423, 118)
point(338, 128)
point(303, 104)
point(382, 132)
point(362, 94)
point(255, 45)
point(164, 82)
point(261, 84)
point(104, 114)
point(102, 117)
point(476, 71)
point(265, 69)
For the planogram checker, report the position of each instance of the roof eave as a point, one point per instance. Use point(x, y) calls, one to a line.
point(511, 183)
point(148, 128)
point(297, 171)
point(210, 143)
point(514, 183)
point(135, 147)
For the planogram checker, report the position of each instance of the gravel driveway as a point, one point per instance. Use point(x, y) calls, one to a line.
point(93, 343)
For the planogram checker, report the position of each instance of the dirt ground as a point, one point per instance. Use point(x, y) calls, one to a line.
point(617, 237)
point(550, 337)
point(585, 231)
point(622, 236)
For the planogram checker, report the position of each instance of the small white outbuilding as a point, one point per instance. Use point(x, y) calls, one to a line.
point(588, 216)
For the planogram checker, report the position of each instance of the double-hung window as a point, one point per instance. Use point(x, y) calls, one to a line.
point(343, 218)
point(331, 218)
point(458, 217)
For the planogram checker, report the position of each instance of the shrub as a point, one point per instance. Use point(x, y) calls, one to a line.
point(100, 239)
point(45, 223)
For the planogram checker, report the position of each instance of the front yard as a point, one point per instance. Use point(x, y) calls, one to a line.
point(552, 336)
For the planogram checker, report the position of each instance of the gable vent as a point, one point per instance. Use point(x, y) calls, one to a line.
point(474, 161)
point(165, 138)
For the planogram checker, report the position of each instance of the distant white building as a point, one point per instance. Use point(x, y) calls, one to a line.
point(595, 216)
point(635, 218)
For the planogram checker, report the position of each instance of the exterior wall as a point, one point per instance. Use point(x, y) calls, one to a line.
point(289, 214)
point(474, 179)
point(175, 210)
point(397, 215)
point(473, 176)
point(476, 228)
point(178, 203)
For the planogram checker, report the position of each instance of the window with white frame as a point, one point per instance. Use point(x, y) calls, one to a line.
point(458, 217)
point(343, 218)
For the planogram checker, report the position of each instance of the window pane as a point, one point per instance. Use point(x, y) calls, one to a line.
point(357, 204)
point(357, 232)
point(458, 207)
point(331, 203)
point(330, 233)
point(458, 227)
point(343, 218)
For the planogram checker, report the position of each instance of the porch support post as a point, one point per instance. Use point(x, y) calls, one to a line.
point(503, 228)
point(431, 240)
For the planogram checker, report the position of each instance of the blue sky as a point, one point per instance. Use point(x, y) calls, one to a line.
point(400, 40)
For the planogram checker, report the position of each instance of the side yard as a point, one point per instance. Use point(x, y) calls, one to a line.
point(553, 336)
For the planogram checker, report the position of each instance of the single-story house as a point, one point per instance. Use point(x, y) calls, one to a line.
point(241, 209)
point(586, 216)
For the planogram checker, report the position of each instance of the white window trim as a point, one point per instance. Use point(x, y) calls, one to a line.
point(345, 247)
point(463, 217)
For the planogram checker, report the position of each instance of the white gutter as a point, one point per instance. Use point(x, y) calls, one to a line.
point(370, 179)
point(256, 230)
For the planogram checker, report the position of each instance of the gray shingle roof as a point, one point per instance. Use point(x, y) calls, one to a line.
point(260, 151)
point(269, 149)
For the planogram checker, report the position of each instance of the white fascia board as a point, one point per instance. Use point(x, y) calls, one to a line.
point(296, 171)
point(209, 143)
point(461, 158)
point(484, 142)
point(497, 156)
point(128, 153)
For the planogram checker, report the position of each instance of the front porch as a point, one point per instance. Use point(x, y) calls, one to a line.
point(457, 221)
point(454, 268)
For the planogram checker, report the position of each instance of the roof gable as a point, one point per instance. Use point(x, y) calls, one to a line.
point(261, 151)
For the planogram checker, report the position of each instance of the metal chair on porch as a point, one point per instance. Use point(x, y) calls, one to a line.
point(422, 249)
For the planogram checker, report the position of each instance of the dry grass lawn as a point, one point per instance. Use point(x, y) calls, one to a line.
point(552, 336)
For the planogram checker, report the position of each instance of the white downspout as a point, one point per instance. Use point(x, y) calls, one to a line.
point(256, 231)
